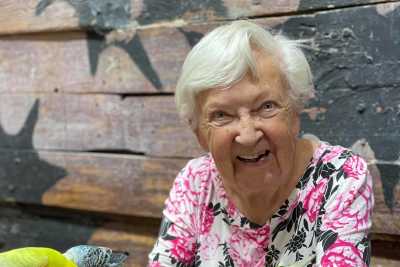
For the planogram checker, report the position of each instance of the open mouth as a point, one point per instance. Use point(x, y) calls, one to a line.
point(253, 158)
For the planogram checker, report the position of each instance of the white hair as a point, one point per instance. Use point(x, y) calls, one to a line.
point(225, 55)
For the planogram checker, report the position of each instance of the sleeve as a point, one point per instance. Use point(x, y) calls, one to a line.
point(176, 243)
point(345, 218)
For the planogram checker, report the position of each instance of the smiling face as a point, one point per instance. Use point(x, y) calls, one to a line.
point(250, 130)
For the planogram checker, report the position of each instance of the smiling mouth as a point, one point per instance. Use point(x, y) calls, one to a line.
point(252, 158)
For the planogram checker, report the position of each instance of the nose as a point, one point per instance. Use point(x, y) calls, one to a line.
point(248, 134)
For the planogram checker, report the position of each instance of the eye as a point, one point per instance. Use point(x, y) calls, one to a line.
point(220, 117)
point(268, 109)
point(268, 106)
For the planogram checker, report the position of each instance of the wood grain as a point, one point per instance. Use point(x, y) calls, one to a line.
point(21, 16)
point(62, 63)
point(78, 62)
point(22, 228)
point(113, 184)
point(26, 227)
point(116, 184)
point(145, 62)
point(147, 125)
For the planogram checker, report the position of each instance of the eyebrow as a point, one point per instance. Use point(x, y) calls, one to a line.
point(214, 106)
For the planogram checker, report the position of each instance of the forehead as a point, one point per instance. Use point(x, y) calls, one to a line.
point(269, 82)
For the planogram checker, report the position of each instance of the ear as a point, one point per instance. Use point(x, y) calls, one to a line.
point(201, 139)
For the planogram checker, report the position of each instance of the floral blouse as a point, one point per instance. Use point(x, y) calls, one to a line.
point(324, 222)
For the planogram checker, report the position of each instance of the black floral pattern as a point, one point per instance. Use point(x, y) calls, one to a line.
point(272, 254)
point(228, 262)
point(303, 225)
point(292, 221)
point(297, 241)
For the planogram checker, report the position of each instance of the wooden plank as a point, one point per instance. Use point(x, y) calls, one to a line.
point(115, 184)
point(147, 125)
point(21, 16)
point(61, 121)
point(383, 262)
point(21, 228)
point(162, 132)
point(79, 62)
point(386, 249)
point(343, 55)
point(119, 184)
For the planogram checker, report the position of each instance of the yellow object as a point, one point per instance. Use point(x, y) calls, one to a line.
point(34, 257)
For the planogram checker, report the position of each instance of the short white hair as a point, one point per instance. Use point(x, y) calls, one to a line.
point(225, 55)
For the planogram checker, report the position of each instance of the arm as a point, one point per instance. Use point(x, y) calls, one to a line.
point(176, 243)
point(345, 219)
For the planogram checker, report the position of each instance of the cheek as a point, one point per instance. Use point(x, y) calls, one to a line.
point(293, 123)
point(221, 140)
point(220, 145)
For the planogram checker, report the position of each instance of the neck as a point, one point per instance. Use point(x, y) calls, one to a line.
point(259, 207)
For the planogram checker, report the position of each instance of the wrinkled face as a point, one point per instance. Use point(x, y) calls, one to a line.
point(250, 130)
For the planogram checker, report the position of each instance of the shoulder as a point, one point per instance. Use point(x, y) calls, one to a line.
point(191, 187)
point(333, 166)
point(343, 160)
point(339, 157)
point(198, 169)
point(341, 170)
point(196, 176)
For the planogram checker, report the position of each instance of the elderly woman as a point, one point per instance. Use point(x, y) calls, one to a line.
point(262, 195)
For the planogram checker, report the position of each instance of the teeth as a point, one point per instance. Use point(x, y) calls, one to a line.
point(253, 157)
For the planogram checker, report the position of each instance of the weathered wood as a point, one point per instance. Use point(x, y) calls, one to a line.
point(19, 16)
point(382, 261)
point(77, 62)
point(81, 62)
point(114, 184)
point(118, 184)
point(343, 55)
point(147, 125)
point(385, 252)
point(21, 228)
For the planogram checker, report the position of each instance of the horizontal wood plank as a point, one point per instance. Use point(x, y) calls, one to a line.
point(151, 125)
point(147, 125)
point(136, 237)
point(123, 184)
point(82, 63)
point(384, 262)
point(117, 184)
point(343, 55)
point(22, 16)
point(21, 228)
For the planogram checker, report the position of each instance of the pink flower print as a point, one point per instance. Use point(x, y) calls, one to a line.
point(334, 153)
point(342, 254)
point(242, 258)
point(350, 211)
point(355, 167)
point(247, 246)
point(208, 219)
point(154, 264)
point(209, 246)
point(183, 249)
point(313, 199)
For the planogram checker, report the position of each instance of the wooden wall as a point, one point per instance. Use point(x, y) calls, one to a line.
point(90, 141)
